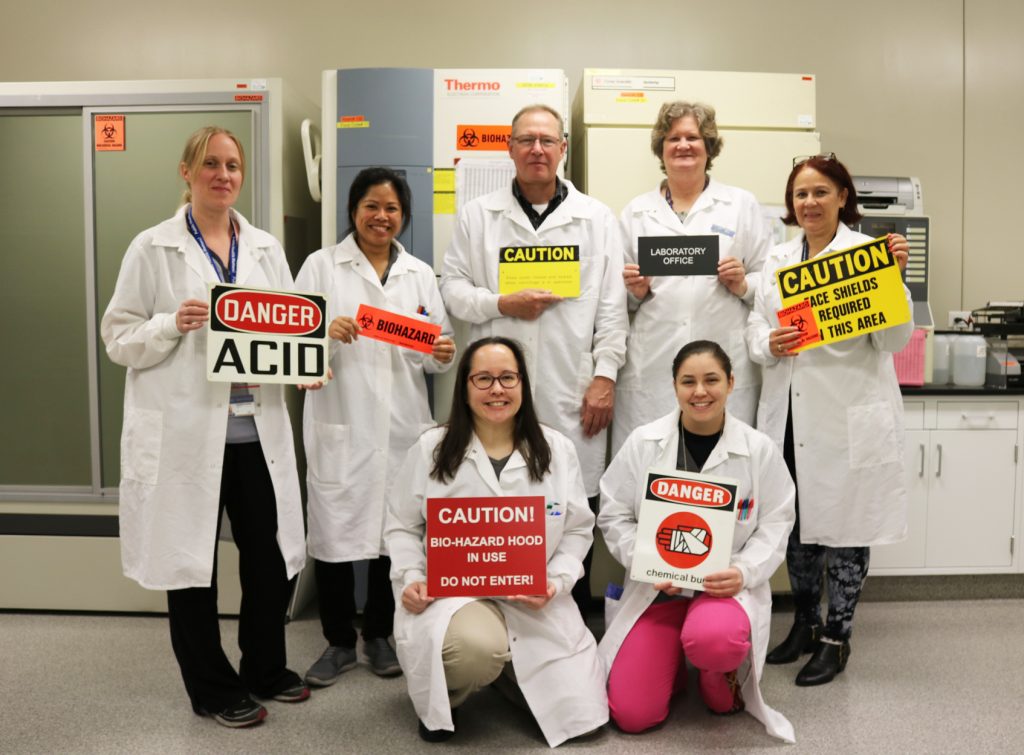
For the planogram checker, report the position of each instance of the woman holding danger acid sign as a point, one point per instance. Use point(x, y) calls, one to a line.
point(534, 647)
point(722, 631)
point(670, 310)
point(836, 412)
point(191, 448)
point(358, 429)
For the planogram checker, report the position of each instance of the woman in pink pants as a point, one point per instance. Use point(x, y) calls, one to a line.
point(723, 630)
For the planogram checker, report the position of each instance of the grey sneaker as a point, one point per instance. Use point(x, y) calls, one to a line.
point(383, 661)
point(332, 664)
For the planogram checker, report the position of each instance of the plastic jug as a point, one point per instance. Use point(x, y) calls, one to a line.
point(969, 360)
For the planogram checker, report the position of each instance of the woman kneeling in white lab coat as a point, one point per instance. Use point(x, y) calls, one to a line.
point(449, 648)
point(723, 631)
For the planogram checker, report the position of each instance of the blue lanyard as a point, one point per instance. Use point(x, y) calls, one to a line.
point(232, 254)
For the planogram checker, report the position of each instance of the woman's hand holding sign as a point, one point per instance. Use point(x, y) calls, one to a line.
point(900, 249)
point(536, 602)
point(444, 350)
point(724, 584)
point(781, 340)
point(192, 314)
point(732, 275)
point(636, 284)
point(344, 329)
point(415, 598)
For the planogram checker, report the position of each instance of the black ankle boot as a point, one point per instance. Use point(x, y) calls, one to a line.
point(801, 639)
point(827, 661)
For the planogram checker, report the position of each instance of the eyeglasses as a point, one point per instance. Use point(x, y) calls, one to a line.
point(804, 158)
point(546, 142)
point(484, 380)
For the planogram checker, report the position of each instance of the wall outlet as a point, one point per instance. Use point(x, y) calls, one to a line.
point(959, 318)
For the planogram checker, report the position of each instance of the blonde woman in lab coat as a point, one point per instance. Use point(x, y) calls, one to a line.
point(535, 647)
point(670, 310)
point(186, 457)
point(359, 427)
point(722, 631)
point(837, 413)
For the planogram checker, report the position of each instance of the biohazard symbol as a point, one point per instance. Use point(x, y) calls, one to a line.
point(799, 322)
point(469, 139)
point(365, 322)
point(109, 132)
point(684, 540)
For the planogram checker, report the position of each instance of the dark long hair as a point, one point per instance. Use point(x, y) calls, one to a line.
point(366, 179)
point(528, 437)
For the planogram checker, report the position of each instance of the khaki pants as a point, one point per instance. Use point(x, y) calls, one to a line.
point(476, 653)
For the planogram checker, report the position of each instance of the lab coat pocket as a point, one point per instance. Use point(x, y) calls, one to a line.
point(871, 435)
point(141, 441)
point(330, 458)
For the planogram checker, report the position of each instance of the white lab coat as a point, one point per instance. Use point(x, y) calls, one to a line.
point(759, 542)
point(573, 341)
point(358, 428)
point(847, 418)
point(680, 309)
point(553, 653)
point(175, 421)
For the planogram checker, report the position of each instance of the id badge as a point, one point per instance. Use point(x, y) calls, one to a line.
point(245, 400)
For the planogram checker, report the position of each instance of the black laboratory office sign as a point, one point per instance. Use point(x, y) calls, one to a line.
point(678, 255)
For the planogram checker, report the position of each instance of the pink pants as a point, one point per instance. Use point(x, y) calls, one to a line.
point(713, 633)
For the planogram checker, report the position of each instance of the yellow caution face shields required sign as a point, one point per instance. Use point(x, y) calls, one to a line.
point(843, 294)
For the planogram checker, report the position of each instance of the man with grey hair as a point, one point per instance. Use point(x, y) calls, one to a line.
point(570, 315)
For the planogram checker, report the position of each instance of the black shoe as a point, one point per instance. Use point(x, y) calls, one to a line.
point(246, 712)
point(436, 735)
point(801, 639)
point(828, 660)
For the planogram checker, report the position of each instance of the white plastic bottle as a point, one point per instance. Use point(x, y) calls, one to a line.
point(969, 361)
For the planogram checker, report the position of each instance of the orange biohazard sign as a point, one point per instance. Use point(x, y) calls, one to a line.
point(482, 138)
point(108, 131)
point(393, 328)
point(801, 317)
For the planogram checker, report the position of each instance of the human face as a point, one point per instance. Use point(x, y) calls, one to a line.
point(216, 181)
point(536, 165)
point(817, 202)
point(702, 389)
point(684, 149)
point(378, 218)
point(497, 405)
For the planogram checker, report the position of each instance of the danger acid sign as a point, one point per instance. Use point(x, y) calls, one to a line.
point(685, 528)
point(262, 336)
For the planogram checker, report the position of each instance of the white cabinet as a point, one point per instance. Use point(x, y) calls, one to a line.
point(962, 476)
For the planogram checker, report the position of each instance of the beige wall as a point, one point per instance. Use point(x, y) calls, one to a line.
point(891, 75)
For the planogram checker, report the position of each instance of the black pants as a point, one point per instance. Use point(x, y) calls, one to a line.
point(247, 494)
point(581, 590)
point(845, 569)
point(336, 588)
